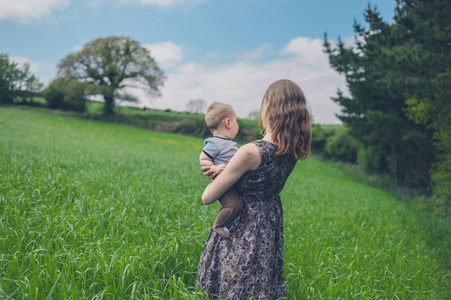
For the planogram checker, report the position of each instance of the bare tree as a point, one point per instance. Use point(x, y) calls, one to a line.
point(196, 106)
point(253, 115)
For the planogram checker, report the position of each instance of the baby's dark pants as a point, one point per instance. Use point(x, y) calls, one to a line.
point(230, 202)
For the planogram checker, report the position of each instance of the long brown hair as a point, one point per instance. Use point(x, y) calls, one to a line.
point(285, 110)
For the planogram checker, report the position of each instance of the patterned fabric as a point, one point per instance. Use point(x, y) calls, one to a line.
point(250, 263)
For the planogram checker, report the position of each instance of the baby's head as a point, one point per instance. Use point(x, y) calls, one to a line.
point(221, 118)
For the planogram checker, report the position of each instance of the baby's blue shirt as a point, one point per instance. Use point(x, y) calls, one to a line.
point(219, 149)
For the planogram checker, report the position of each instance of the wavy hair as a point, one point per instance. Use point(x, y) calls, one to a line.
point(285, 111)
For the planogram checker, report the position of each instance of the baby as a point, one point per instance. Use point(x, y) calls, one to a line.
point(218, 150)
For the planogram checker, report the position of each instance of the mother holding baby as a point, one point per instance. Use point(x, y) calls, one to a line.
point(249, 264)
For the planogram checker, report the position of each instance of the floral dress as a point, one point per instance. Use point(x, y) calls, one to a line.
point(249, 264)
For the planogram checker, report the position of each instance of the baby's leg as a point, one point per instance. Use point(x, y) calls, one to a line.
point(230, 202)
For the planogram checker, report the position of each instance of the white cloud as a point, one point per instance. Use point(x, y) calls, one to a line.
point(256, 53)
point(43, 71)
point(25, 11)
point(306, 50)
point(78, 48)
point(212, 54)
point(242, 84)
point(166, 54)
point(35, 66)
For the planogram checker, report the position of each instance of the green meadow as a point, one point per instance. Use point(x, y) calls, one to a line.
point(93, 210)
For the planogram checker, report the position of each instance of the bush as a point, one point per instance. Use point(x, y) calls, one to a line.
point(249, 131)
point(342, 146)
point(372, 162)
point(321, 136)
point(441, 176)
point(66, 95)
point(319, 139)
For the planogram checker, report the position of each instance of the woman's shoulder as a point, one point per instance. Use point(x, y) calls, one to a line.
point(249, 149)
point(249, 154)
point(255, 149)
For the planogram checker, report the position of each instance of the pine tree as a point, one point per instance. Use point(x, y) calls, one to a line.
point(380, 73)
point(429, 29)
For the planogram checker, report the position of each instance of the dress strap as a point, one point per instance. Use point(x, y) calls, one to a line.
point(266, 148)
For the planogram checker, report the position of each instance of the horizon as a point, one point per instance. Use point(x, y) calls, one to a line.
point(228, 51)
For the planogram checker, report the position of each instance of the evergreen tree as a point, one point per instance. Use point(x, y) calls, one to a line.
point(428, 25)
point(387, 66)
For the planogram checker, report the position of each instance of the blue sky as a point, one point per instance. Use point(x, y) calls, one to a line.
point(228, 50)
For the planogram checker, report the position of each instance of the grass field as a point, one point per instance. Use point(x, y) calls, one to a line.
point(92, 210)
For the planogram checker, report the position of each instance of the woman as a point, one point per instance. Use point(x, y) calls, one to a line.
point(250, 262)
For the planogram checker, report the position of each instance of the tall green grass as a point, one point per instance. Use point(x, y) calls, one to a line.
point(90, 210)
point(165, 121)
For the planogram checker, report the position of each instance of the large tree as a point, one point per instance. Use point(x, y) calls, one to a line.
point(109, 65)
point(383, 69)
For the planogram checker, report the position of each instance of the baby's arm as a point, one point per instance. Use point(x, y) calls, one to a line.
point(206, 161)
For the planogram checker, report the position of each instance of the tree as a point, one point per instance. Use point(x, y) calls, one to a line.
point(383, 68)
point(428, 26)
point(16, 81)
point(196, 106)
point(8, 72)
point(111, 64)
point(253, 115)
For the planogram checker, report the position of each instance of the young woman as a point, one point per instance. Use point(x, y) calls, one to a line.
point(250, 262)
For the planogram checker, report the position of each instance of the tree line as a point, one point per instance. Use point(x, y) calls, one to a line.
point(399, 79)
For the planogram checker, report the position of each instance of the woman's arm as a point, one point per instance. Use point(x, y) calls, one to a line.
point(247, 158)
